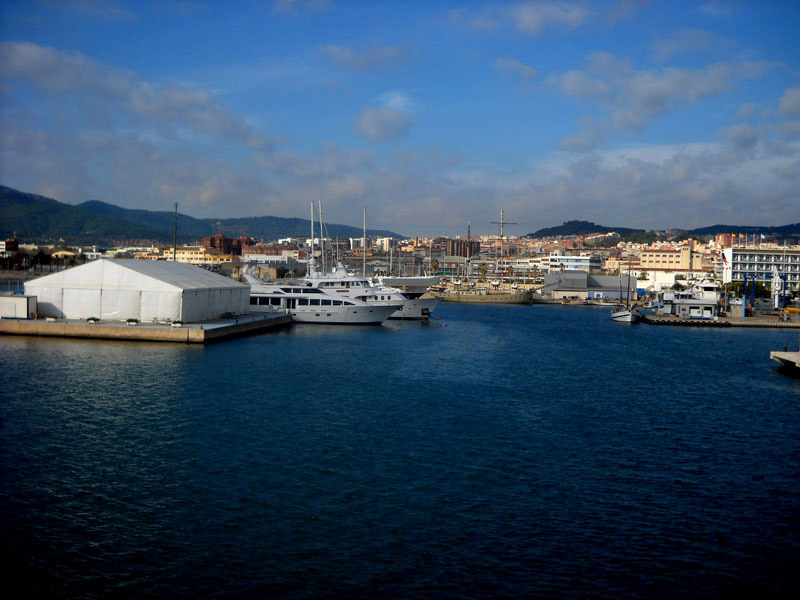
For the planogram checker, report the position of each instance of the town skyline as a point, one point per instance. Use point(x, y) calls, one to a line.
point(639, 115)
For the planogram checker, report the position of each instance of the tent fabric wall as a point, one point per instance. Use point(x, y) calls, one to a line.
point(135, 289)
point(48, 300)
point(82, 303)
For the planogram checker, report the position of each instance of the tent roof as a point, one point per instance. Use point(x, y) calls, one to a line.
point(170, 274)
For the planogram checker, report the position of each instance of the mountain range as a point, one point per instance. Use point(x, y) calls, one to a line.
point(570, 228)
point(31, 217)
point(35, 218)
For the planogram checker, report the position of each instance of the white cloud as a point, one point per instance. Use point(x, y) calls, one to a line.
point(741, 137)
point(294, 7)
point(789, 130)
point(682, 42)
point(379, 124)
point(747, 110)
point(515, 67)
point(790, 102)
point(397, 100)
point(56, 73)
point(390, 121)
point(107, 10)
point(716, 8)
point(583, 141)
point(378, 57)
point(630, 98)
point(538, 17)
point(534, 17)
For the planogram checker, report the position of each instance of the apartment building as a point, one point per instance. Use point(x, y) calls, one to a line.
point(760, 263)
point(576, 262)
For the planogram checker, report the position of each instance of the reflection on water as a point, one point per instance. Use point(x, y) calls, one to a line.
point(518, 451)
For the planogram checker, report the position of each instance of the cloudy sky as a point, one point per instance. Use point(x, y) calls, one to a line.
point(430, 114)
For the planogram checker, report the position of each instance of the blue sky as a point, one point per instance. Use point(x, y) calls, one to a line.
point(430, 114)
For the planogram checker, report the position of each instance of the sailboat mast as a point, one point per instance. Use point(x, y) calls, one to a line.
point(364, 247)
point(321, 236)
point(466, 263)
point(311, 253)
point(628, 287)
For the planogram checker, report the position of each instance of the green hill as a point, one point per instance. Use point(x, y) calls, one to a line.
point(569, 228)
point(572, 228)
point(36, 218)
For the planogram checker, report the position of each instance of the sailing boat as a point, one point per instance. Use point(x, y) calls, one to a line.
point(625, 313)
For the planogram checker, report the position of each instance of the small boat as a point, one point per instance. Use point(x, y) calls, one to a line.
point(625, 314)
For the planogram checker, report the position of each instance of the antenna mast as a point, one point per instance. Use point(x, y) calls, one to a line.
point(364, 247)
point(175, 234)
point(502, 222)
point(311, 254)
point(466, 264)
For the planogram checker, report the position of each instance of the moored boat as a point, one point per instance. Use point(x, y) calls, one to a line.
point(339, 283)
point(307, 304)
point(484, 295)
point(625, 314)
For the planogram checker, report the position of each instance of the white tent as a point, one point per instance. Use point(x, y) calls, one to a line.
point(147, 290)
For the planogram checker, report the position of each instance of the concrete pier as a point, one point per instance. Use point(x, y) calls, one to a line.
point(768, 322)
point(790, 360)
point(190, 333)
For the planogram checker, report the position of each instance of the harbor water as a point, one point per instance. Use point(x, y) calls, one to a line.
point(518, 451)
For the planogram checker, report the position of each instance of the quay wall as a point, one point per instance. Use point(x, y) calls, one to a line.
point(189, 334)
point(757, 322)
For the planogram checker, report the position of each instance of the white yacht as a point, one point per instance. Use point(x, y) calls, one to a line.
point(343, 285)
point(309, 304)
point(420, 303)
point(700, 301)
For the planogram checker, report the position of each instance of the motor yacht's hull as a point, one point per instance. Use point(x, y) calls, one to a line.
point(334, 315)
point(417, 308)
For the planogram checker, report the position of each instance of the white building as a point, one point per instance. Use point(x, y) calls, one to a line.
point(759, 262)
point(385, 244)
point(117, 290)
point(578, 262)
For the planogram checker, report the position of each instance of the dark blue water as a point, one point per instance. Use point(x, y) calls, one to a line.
point(516, 452)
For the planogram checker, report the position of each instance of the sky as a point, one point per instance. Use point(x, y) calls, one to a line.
point(429, 114)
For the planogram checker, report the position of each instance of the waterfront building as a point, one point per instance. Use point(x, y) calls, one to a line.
point(122, 289)
point(700, 301)
point(198, 255)
point(459, 247)
point(760, 262)
point(578, 262)
point(384, 244)
point(583, 286)
point(8, 246)
point(679, 259)
point(531, 266)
